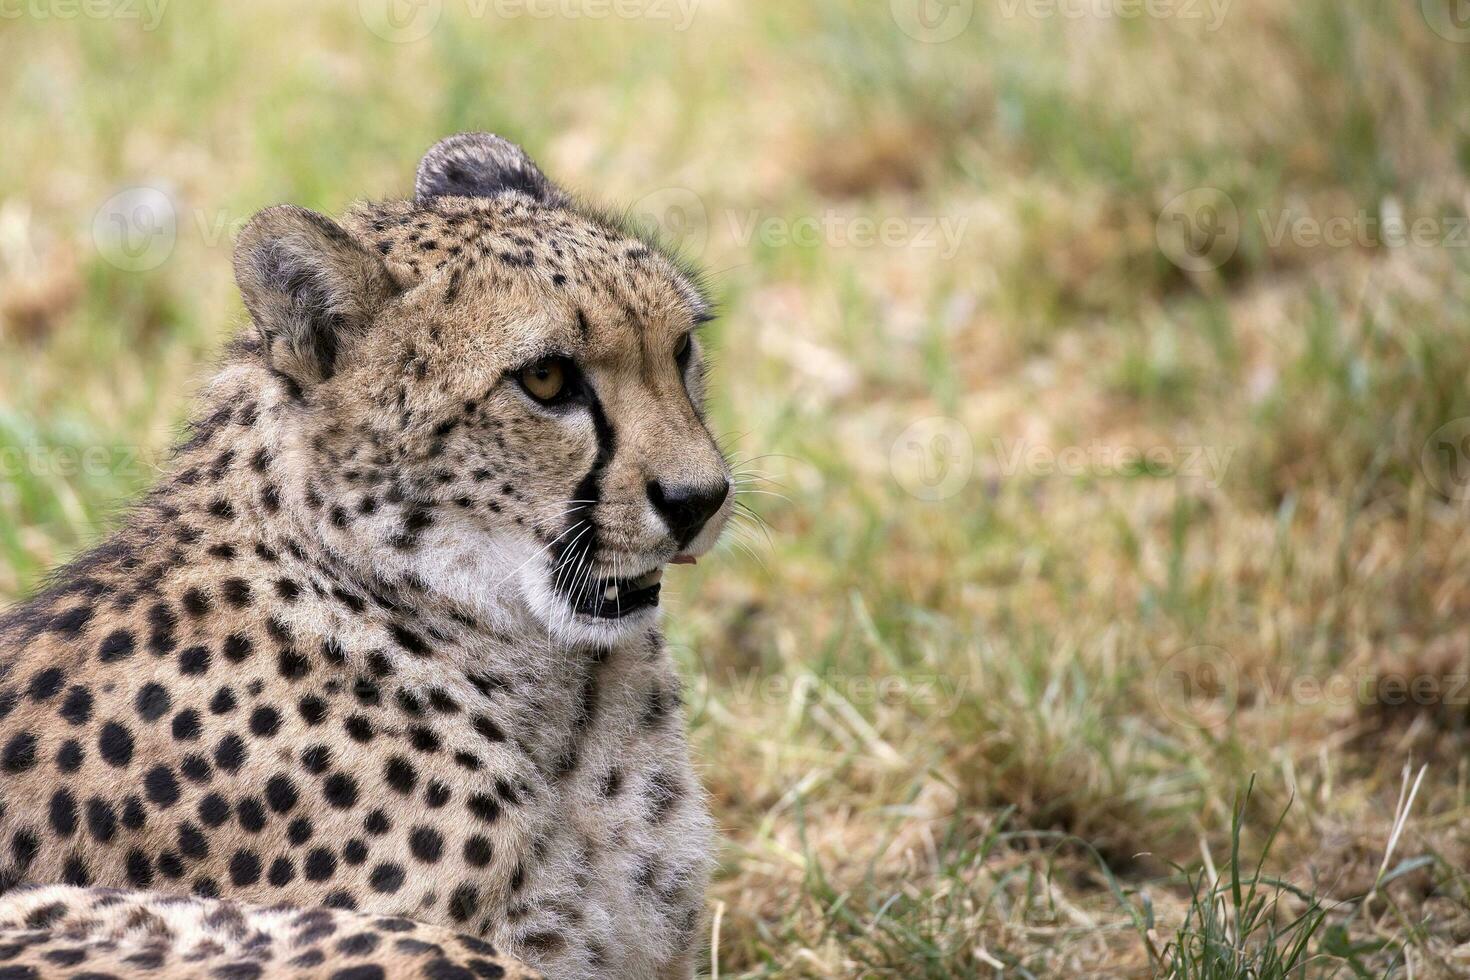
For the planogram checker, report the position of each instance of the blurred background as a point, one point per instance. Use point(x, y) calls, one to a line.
point(1098, 368)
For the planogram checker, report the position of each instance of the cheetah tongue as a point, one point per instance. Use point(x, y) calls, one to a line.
point(683, 560)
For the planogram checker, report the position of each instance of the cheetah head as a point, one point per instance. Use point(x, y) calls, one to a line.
point(492, 388)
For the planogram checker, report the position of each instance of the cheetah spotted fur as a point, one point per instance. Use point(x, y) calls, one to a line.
point(92, 934)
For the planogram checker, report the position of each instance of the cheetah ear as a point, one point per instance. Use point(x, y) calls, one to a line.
point(310, 288)
point(482, 165)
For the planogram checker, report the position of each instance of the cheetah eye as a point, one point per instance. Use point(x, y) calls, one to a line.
point(682, 351)
point(549, 380)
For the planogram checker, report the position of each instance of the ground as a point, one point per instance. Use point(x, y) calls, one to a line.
point(1090, 363)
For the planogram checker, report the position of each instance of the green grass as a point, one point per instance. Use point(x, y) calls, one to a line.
point(987, 735)
point(1236, 925)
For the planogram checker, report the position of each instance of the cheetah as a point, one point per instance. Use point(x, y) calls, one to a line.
point(381, 649)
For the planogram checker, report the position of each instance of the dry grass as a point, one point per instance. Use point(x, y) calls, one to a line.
point(1001, 733)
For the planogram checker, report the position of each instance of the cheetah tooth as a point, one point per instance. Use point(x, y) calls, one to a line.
point(649, 579)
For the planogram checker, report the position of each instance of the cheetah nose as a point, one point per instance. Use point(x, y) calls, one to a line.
point(686, 509)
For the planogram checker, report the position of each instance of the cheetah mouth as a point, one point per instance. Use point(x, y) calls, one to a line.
point(615, 598)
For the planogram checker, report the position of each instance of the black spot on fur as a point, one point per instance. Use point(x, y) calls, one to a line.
point(244, 868)
point(71, 622)
point(139, 869)
point(45, 683)
point(320, 864)
point(251, 814)
point(196, 603)
point(194, 661)
point(118, 645)
point(426, 844)
point(484, 806)
point(161, 786)
point(115, 744)
point(386, 878)
point(70, 756)
point(186, 725)
point(229, 753)
point(63, 812)
point(410, 641)
point(400, 774)
point(463, 902)
point(152, 701)
point(292, 665)
point(236, 592)
point(101, 820)
point(340, 790)
point(280, 794)
point(477, 851)
point(162, 622)
point(237, 648)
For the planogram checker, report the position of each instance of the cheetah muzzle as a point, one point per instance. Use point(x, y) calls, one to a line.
point(382, 646)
